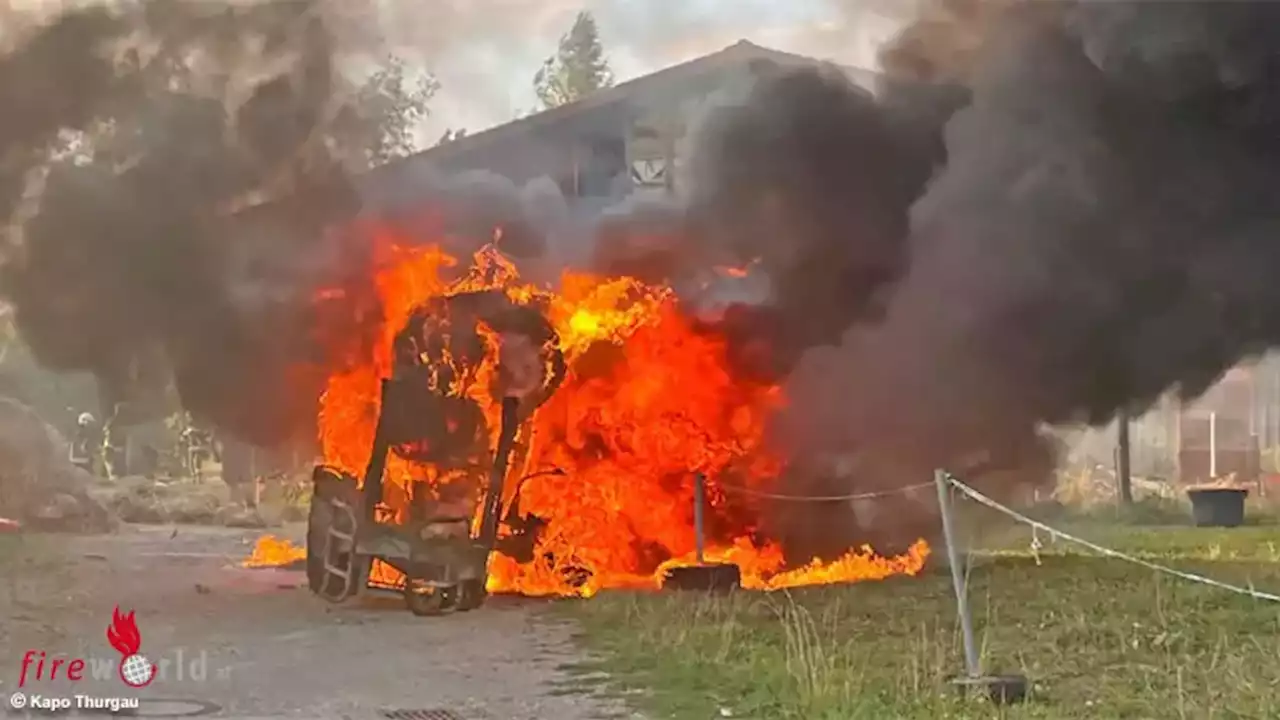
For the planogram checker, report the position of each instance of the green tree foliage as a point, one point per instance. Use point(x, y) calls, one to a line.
point(578, 68)
point(382, 121)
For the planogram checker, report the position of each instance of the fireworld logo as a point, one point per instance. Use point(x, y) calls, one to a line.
point(133, 669)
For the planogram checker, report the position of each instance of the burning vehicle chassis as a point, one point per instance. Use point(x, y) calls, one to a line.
point(439, 412)
point(430, 413)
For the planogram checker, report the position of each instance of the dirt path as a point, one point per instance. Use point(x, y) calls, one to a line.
point(256, 643)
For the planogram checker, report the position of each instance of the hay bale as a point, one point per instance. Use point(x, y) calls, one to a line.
point(144, 501)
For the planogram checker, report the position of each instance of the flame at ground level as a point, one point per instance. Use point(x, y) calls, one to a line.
point(648, 400)
point(760, 571)
point(273, 551)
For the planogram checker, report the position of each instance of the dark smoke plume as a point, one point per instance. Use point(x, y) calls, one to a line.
point(128, 263)
point(809, 178)
point(1049, 212)
point(805, 180)
point(1103, 230)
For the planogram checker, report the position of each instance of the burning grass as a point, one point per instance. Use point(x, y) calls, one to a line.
point(1101, 638)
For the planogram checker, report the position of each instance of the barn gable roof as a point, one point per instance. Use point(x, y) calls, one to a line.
point(740, 53)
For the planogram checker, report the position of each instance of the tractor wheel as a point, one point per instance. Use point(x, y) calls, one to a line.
point(471, 595)
point(426, 601)
point(328, 485)
point(318, 520)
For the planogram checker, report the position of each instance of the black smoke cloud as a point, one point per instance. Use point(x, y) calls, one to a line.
point(215, 207)
point(1096, 236)
point(127, 266)
point(809, 180)
point(1077, 217)
point(804, 180)
point(1102, 231)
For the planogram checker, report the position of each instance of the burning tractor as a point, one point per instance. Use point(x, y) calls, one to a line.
point(462, 364)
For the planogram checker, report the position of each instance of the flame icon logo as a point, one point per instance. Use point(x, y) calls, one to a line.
point(135, 670)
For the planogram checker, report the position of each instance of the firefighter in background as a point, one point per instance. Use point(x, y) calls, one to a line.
point(198, 447)
point(85, 443)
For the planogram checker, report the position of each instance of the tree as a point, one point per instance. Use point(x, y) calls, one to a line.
point(578, 67)
point(381, 121)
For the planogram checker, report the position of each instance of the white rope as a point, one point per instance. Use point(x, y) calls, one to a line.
point(1053, 532)
point(822, 498)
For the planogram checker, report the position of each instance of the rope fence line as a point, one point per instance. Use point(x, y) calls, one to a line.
point(1035, 525)
point(822, 498)
point(981, 499)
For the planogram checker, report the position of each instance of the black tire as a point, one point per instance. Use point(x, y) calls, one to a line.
point(318, 518)
point(471, 595)
point(429, 601)
point(326, 485)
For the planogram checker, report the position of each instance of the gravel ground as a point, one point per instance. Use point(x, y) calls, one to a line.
point(256, 643)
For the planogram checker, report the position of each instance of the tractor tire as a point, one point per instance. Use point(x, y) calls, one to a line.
point(327, 485)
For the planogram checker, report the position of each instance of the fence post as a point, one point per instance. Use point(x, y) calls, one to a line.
point(1124, 455)
point(1213, 446)
point(971, 663)
point(699, 497)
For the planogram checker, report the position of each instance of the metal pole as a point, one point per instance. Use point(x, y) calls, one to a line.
point(1123, 473)
point(957, 576)
point(1213, 445)
point(699, 491)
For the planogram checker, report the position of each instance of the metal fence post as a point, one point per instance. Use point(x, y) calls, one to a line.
point(1213, 446)
point(957, 576)
point(699, 497)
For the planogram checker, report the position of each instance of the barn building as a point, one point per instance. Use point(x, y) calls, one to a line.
point(621, 139)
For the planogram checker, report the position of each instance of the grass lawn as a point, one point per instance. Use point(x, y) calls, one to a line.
point(1100, 638)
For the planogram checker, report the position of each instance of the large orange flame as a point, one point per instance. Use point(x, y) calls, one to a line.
point(609, 460)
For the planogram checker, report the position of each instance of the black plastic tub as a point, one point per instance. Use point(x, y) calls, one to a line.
point(713, 578)
point(1217, 507)
point(1000, 689)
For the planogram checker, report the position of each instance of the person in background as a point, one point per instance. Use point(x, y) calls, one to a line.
point(85, 443)
point(197, 446)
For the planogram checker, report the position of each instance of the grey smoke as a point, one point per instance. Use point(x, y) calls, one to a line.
point(1102, 231)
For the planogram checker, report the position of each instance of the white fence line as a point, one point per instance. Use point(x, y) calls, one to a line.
point(1101, 550)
